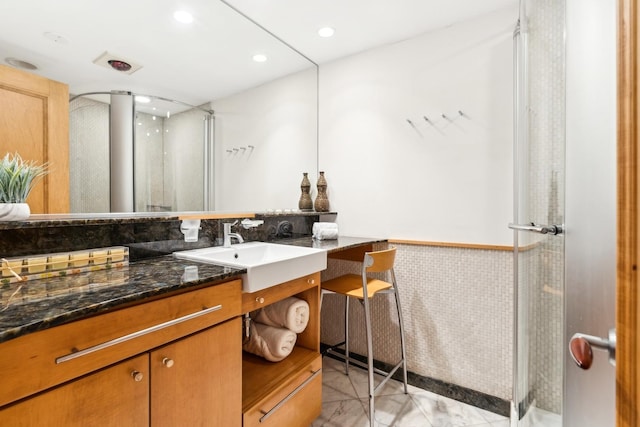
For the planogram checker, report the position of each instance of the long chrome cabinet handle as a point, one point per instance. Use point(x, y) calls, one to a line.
point(137, 334)
point(542, 229)
point(289, 396)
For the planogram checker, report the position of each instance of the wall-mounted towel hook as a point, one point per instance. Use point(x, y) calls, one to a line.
point(235, 150)
point(251, 147)
point(444, 116)
point(229, 151)
point(461, 113)
point(243, 149)
point(415, 128)
point(426, 119)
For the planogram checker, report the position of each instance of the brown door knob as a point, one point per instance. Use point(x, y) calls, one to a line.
point(581, 352)
point(581, 348)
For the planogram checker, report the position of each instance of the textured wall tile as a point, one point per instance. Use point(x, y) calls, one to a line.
point(458, 312)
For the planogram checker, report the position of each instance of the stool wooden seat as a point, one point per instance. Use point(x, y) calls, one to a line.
point(357, 286)
point(351, 285)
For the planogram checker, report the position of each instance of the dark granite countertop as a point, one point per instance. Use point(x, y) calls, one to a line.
point(342, 243)
point(45, 303)
point(41, 304)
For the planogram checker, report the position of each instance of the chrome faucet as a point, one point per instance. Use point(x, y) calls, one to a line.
point(228, 234)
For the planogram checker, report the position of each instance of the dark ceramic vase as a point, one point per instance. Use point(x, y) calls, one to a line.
point(322, 201)
point(305, 202)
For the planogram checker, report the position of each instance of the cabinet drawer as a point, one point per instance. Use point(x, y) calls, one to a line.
point(255, 300)
point(37, 361)
point(295, 404)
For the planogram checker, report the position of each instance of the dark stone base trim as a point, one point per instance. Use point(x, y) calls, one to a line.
point(462, 394)
point(524, 405)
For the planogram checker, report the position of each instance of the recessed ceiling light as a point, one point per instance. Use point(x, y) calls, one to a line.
point(183, 16)
point(326, 32)
point(143, 99)
point(259, 57)
point(19, 63)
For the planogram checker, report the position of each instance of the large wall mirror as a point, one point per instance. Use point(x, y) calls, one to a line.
point(222, 115)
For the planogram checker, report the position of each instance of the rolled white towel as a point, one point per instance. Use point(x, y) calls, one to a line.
point(325, 230)
point(291, 313)
point(326, 235)
point(274, 344)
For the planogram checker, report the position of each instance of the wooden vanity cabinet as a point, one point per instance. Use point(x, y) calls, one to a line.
point(289, 392)
point(110, 397)
point(183, 374)
point(195, 381)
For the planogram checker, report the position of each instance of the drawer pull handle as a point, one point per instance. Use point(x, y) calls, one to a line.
point(134, 335)
point(311, 281)
point(260, 300)
point(167, 362)
point(137, 376)
point(289, 396)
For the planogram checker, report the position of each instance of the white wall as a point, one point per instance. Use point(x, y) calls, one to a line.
point(280, 120)
point(447, 181)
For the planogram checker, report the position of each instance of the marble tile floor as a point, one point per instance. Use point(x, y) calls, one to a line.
point(537, 417)
point(345, 404)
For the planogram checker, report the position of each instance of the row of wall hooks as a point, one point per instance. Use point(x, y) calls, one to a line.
point(235, 150)
point(443, 115)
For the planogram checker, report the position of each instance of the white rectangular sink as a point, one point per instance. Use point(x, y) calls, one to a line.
point(267, 264)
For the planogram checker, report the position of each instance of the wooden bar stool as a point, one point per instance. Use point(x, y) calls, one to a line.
point(357, 286)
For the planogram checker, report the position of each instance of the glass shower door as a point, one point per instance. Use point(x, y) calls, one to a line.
point(539, 171)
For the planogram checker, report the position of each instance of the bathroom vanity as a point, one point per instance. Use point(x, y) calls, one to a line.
point(170, 358)
point(158, 342)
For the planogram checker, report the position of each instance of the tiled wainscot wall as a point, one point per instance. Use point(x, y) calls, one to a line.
point(457, 305)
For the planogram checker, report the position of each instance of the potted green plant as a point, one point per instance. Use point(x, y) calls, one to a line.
point(17, 179)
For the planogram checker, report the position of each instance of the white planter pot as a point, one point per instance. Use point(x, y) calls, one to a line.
point(14, 211)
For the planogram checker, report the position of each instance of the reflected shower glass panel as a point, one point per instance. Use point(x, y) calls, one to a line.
point(89, 175)
point(169, 166)
point(171, 142)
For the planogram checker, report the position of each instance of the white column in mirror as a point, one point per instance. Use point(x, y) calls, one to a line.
point(121, 153)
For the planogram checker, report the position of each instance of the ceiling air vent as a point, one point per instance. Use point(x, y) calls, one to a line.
point(117, 62)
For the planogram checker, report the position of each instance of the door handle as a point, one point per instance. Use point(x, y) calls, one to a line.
point(542, 229)
point(580, 348)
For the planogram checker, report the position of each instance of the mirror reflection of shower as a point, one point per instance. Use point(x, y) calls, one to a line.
point(139, 153)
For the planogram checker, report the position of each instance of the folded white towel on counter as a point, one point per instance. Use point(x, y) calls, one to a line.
point(325, 231)
point(274, 344)
point(291, 313)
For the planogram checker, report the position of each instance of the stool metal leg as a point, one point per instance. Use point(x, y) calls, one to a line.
point(401, 323)
point(346, 334)
point(367, 321)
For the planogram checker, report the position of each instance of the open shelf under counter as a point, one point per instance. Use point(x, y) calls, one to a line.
point(290, 390)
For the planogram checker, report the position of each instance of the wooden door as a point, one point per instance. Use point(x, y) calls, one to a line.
point(111, 397)
point(34, 122)
point(628, 294)
point(197, 381)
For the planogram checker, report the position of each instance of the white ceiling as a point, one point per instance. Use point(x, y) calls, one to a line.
point(360, 24)
point(210, 58)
